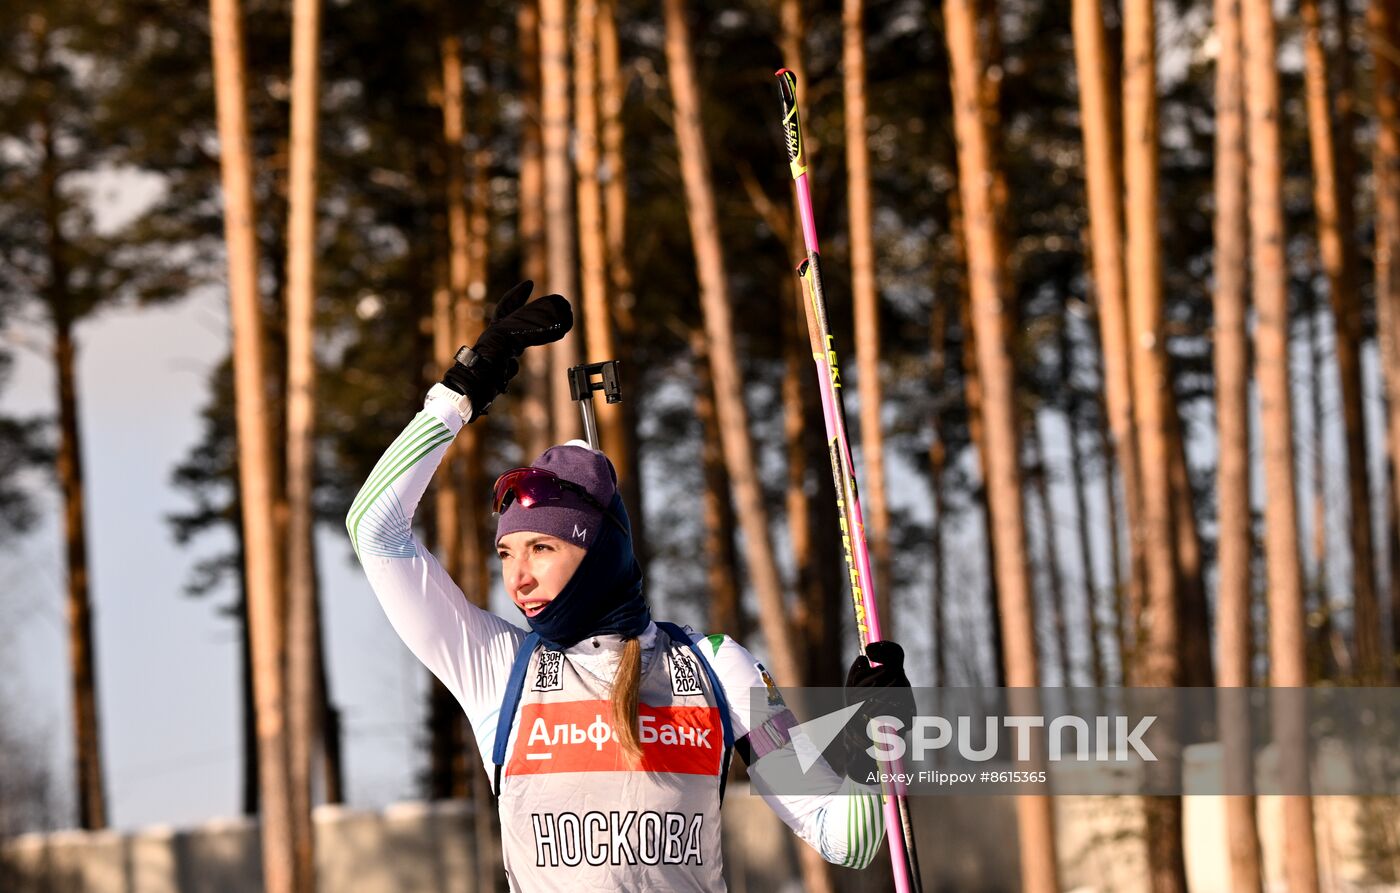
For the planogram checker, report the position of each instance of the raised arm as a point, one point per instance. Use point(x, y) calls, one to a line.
point(468, 649)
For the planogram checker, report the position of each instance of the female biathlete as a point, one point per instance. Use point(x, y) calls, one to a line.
point(606, 735)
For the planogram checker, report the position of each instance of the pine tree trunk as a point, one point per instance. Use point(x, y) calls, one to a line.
point(454, 132)
point(68, 465)
point(1159, 663)
point(254, 447)
point(865, 295)
point(721, 560)
point(1035, 816)
point(328, 734)
point(273, 247)
point(328, 724)
point(972, 396)
point(1345, 150)
point(467, 231)
point(1393, 539)
point(477, 553)
point(444, 725)
point(248, 724)
point(1315, 589)
point(1040, 478)
point(449, 310)
point(734, 435)
point(476, 548)
point(1338, 262)
point(1145, 312)
point(303, 637)
point(937, 462)
point(1101, 163)
point(807, 613)
point(1112, 512)
point(447, 764)
point(459, 322)
point(1235, 517)
point(612, 91)
point(560, 275)
point(1117, 580)
point(535, 410)
point(597, 317)
point(812, 521)
point(1098, 670)
point(1287, 659)
point(82, 658)
point(993, 73)
point(462, 538)
point(1094, 627)
point(334, 767)
point(1345, 141)
point(1383, 24)
point(479, 221)
point(817, 606)
point(792, 37)
point(1193, 615)
point(249, 719)
point(1317, 607)
point(447, 521)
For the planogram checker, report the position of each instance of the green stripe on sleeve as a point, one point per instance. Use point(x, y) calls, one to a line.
point(407, 462)
point(861, 833)
point(850, 860)
point(393, 467)
point(416, 429)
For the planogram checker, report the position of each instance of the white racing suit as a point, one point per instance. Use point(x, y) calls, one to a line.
point(573, 810)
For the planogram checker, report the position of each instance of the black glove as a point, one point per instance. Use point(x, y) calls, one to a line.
point(885, 691)
point(482, 371)
point(889, 673)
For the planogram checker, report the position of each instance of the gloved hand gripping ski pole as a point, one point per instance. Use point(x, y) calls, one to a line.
point(899, 830)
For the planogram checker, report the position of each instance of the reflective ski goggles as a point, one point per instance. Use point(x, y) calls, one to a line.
point(540, 486)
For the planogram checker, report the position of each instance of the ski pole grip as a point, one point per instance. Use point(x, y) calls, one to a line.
point(792, 125)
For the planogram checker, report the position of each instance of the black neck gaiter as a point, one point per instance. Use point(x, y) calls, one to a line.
point(603, 596)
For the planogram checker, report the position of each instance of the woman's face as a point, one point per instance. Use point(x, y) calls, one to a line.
point(535, 568)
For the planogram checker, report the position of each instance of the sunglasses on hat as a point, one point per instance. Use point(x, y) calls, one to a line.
point(533, 487)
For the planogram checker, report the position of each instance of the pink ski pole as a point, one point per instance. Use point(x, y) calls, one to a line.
point(899, 829)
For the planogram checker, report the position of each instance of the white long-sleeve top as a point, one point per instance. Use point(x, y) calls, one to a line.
point(471, 650)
